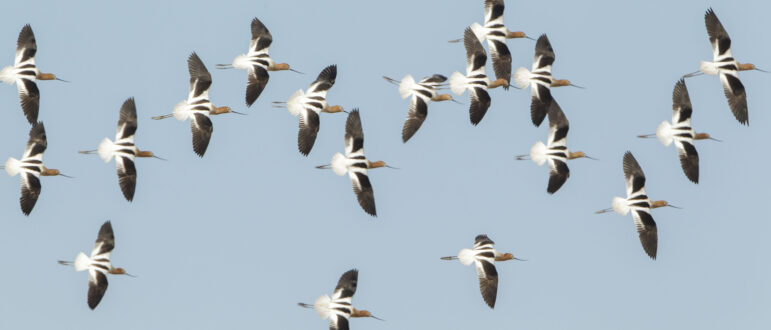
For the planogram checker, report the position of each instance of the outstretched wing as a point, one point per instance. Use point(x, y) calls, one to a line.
point(635, 178)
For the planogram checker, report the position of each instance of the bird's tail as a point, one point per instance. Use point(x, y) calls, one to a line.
point(339, 164)
point(522, 77)
point(321, 305)
point(466, 256)
point(7, 76)
point(12, 166)
point(105, 149)
point(406, 86)
point(538, 153)
point(180, 111)
point(458, 83)
point(82, 261)
point(620, 206)
point(664, 133)
point(293, 104)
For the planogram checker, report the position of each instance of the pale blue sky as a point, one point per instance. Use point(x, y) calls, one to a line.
point(236, 239)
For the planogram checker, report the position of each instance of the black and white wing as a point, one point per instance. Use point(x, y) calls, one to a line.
point(540, 86)
point(735, 94)
point(105, 242)
point(681, 104)
point(558, 132)
point(635, 178)
point(324, 81)
point(354, 135)
point(485, 267)
point(646, 228)
point(354, 148)
point(36, 144)
point(202, 128)
point(29, 96)
point(127, 176)
point(127, 123)
point(30, 191)
point(721, 52)
point(200, 79)
point(346, 285)
point(415, 117)
point(475, 54)
point(309, 128)
point(718, 37)
point(480, 102)
point(26, 46)
point(257, 79)
point(97, 286)
point(499, 52)
point(261, 38)
point(689, 159)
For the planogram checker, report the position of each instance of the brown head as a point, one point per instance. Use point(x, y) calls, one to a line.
point(577, 154)
point(333, 109)
point(515, 34)
point(746, 66)
point(46, 76)
point(220, 110)
point(362, 313)
point(49, 172)
point(442, 97)
point(145, 153)
point(504, 257)
point(656, 204)
point(498, 83)
point(701, 136)
point(117, 271)
point(561, 82)
point(376, 164)
point(279, 67)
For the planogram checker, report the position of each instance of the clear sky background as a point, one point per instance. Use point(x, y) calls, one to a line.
point(236, 239)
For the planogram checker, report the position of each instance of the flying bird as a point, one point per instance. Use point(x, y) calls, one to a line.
point(338, 308)
point(123, 149)
point(355, 163)
point(484, 256)
point(555, 151)
point(540, 80)
point(31, 168)
point(420, 95)
point(98, 265)
point(496, 33)
point(24, 73)
point(726, 67)
point(639, 205)
point(475, 80)
point(197, 107)
point(681, 133)
point(257, 62)
point(308, 105)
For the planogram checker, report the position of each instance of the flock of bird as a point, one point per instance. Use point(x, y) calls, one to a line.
point(308, 105)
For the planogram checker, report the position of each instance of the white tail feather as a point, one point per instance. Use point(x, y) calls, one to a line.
point(82, 261)
point(106, 150)
point(294, 104)
point(466, 256)
point(478, 31)
point(321, 305)
point(708, 68)
point(181, 111)
point(538, 153)
point(339, 165)
point(242, 62)
point(7, 75)
point(12, 166)
point(664, 133)
point(406, 86)
point(620, 206)
point(458, 83)
point(522, 77)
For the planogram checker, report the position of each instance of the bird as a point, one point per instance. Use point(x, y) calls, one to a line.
point(31, 167)
point(98, 265)
point(556, 150)
point(681, 133)
point(197, 107)
point(496, 33)
point(24, 73)
point(484, 256)
point(308, 105)
point(726, 67)
point(257, 62)
point(123, 149)
point(540, 80)
point(355, 163)
point(420, 95)
point(638, 203)
point(338, 308)
point(475, 80)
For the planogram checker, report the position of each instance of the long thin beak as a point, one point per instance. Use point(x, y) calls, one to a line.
point(154, 156)
point(162, 117)
point(576, 86)
point(62, 80)
point(224, 66)
point(86, 152)
point(522, 157)
point(391, 80)
point(456, 101)
point(592, 158)
point(455, 40)
point(645, 136)
point(66, 176)
point(677, 207)
point(293, 70)
point(714, 139)
point(510, 85)
point(603, 211)
point(324, 167)
point(449, 258)
point(395, 168)
point(238, 113)
point(761, 70)
point(515, 258)
point(376, 318)
point(530, 38)
point(693, 74)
